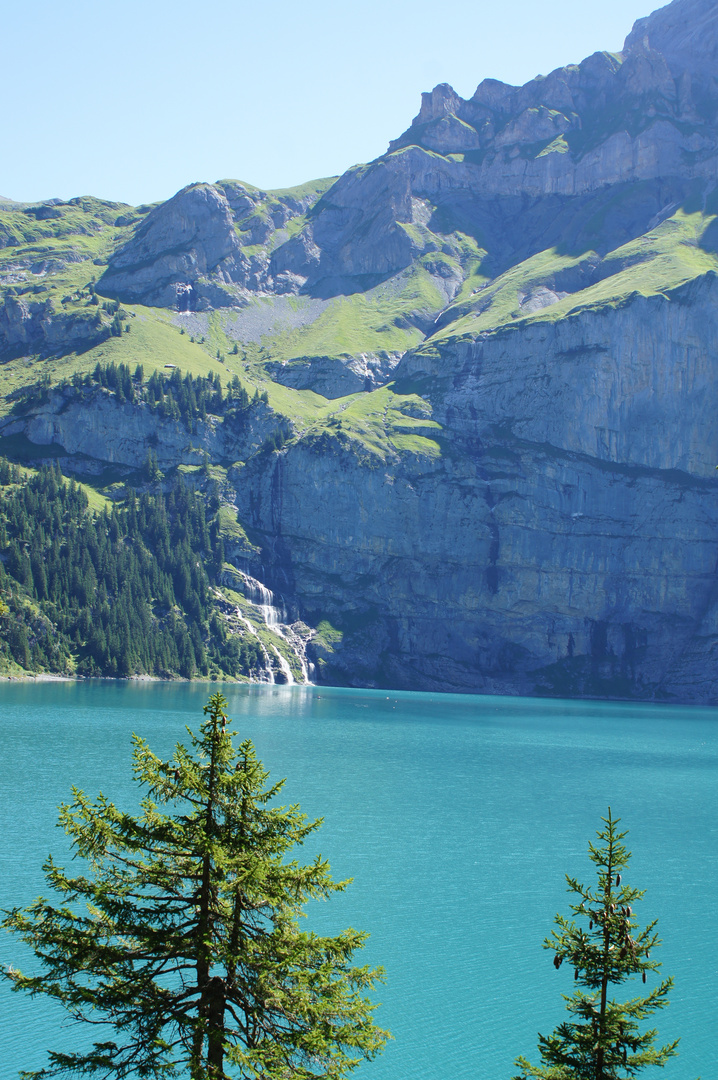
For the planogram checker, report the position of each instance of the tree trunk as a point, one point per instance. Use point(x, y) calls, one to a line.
point(215, 1028)
point(204, 932)
point(600, 1057)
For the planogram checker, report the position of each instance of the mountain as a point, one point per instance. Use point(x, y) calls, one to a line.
point(485, 455)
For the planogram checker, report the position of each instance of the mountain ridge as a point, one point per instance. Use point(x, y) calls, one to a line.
point(489, 351)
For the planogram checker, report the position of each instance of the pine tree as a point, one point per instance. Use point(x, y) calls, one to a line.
point(603, 1041)
point(189, 946)
point(19, 645)
point(152, 469)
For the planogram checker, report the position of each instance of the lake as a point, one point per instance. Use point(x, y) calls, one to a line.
point(456, 816)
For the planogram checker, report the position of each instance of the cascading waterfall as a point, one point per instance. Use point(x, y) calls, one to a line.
point(285, 668)
point(276, 619)
point(252, 631)
point(263, 598)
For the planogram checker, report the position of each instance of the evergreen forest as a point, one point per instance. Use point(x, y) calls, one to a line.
point(172, 395)
point(128, 590)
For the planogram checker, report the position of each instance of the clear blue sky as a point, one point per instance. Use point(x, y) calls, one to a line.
point(133, 100)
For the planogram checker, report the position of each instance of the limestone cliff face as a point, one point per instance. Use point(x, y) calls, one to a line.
point(633, 384)
point(28, 325)
point(177, 244)
point(95, 426)
point(565, 540)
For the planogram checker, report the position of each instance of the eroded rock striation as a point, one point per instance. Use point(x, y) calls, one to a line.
point(565, 538)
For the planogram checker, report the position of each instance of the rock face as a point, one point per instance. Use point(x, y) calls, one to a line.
point(34, 325)
point(178, 243)
point(334, 377)
point(95, 426)
point(564, 541)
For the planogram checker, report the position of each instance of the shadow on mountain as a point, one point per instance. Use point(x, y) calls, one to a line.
point(344, 285)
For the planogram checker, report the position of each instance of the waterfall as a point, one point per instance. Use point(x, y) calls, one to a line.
point(247, 623)
point(285, 668)
point(276, 619)
point(263, 598)
point(298, 646)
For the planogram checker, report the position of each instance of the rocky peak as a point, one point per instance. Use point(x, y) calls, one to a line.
point(611, 120)
point(685, 32)
point(198, 216)
point(669, 68)
point(494, 96)
point(442, 100)
point(645, 74)
point(179, 241)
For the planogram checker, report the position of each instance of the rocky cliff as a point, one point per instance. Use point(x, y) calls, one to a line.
point(508, 167)
point(491, 356)
point(558, 533)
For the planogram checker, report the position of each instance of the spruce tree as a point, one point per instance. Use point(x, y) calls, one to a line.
point(603, 1040)
point(182, 935)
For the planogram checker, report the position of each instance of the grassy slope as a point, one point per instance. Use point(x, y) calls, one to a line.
point(662, 259)
point(360, 323)
point(378, 426)
point(381, 320)
point(376, 322)
point(84, 236)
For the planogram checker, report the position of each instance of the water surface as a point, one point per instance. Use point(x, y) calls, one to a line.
point(457, 818)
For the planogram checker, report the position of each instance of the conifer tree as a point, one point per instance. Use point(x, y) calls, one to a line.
point(182, 936)
point(603, 1040)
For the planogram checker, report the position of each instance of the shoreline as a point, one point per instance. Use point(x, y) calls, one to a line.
point(40, 677)
point(44, 676)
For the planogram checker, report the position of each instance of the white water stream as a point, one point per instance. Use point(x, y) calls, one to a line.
point(276, 620)
point(267, 659)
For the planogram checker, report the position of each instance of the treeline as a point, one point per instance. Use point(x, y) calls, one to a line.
point(174, 396)
point(126, 591)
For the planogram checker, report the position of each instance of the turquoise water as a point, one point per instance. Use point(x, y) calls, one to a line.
point(457, 817)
